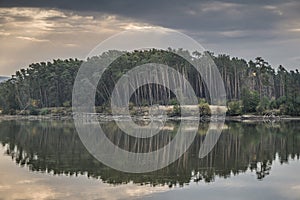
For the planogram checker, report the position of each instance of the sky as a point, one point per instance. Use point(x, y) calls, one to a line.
point(34, 31)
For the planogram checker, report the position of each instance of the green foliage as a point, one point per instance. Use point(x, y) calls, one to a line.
point(288, 106)
point(234, 108)
point(46, 85)
point(202, 101)
point(250, 100)
point(67, 104)
point(33, 110)
point(281, 100)
point(263, 105)
point(176, 111)
point(9, 112)
point(44, 111)
point(204, 109)
point(173, 102)
point(273, 104)
point(131, 106)
point(58, 111)
point(40, 85)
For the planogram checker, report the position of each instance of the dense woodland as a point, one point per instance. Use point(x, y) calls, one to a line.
point(251, 87)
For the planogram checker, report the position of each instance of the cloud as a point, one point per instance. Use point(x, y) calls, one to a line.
point(71, 45)
point(295, 30)
point(32, 39)
point(3, 33)
point(36, 34)
point(273, 9)
point(194, 14)
point(217, 6)
point(226, 26)
point(234, 33)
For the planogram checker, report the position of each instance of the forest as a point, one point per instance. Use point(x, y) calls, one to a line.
point(251, 86)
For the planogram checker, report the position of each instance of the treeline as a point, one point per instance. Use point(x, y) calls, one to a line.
point(40, 85)
point(251, 87)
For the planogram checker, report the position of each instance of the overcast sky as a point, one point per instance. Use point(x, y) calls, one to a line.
point(34, 30)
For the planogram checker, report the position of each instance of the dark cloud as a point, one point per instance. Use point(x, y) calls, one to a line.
point(270, 25)
point(124, 5)
point(191, 15)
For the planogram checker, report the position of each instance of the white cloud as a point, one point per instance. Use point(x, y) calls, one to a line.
point(216, 6)
point(234, 33)
point(32, 39)
point(213, 23)
point(295, 29)
point(273, 9)
point(30, 35)
point(71, 45)
point(3, 33)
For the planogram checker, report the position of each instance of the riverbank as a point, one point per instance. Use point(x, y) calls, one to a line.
point(108, 117)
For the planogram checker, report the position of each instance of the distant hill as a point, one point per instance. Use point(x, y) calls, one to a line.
point(3, 78)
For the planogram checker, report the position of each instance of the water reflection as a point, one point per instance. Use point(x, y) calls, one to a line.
point(54, 147)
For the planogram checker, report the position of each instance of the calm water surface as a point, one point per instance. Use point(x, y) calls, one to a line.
point(46, 160)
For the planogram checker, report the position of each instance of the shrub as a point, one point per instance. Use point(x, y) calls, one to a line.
point(201, 101)
point(33, 111)
point(283, 109)
point(263, 105)
point(9, 112)
point(204, 109)
point(57, 111)
point(67, 104)
point(273, 104)
point(234, 108)
point(176, 111)
point(131, 106)
point(173, 102)
point(44, 111)
point(250, 100)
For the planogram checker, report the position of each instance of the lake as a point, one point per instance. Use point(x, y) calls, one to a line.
point(252, 160)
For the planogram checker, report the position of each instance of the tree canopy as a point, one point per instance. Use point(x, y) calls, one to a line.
point(254, 84)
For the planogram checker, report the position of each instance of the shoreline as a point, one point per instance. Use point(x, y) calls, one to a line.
point(107, 117)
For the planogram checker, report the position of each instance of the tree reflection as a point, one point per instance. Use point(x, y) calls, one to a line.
point(54, 147)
